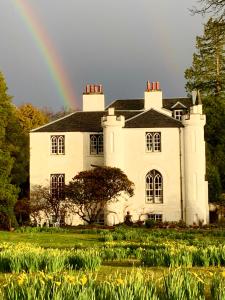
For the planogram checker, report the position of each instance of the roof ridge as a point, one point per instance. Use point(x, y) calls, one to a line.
point(52, 122)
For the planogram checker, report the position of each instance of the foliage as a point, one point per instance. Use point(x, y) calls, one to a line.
point(9, 151)
point(207, 74)
point(90, 191)
point(31, 117)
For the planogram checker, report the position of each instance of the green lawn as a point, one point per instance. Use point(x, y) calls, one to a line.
point(51, 240)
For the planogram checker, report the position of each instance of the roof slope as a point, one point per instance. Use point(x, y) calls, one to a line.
point(152, 119)
point(88, 121)
point(138, 104)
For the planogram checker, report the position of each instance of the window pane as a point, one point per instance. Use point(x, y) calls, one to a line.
point(54, 146)
point(93, 144)
point(61, 145)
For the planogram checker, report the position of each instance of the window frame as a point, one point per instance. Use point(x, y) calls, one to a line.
point(96, 141)
point(57, 184)
point(178, 116)
point(58, 144)
point(154, 187)
point(153, 141)
point(158, 217)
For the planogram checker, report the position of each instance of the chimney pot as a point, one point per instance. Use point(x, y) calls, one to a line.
point(157, 86)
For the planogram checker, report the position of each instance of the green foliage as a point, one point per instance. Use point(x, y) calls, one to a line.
point(31, 117)
point(91, 190)
point(207, 74)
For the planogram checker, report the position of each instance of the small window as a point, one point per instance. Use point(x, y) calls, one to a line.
point(57, 184)
point(96, 144)
point(153, 141)
point(57, 144)
point(154, 187)
point(155, 217)
point(178, 113)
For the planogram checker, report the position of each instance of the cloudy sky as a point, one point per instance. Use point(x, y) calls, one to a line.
point(48, 44)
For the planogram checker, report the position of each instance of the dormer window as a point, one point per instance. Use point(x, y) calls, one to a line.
point(96, 144)
point(58, 144)
point(178, 113)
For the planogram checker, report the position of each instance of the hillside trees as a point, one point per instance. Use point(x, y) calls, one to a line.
point(90, 191)
point(207, 74)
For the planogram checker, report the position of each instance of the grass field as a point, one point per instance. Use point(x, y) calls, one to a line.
point(137, 263)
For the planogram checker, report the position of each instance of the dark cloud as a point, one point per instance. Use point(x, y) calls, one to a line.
point(120, 44)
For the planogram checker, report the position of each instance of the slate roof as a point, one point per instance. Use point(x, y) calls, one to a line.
point(91, 121)
point(152, 119)
point(129, 104)
point(88, 121)
point(138, 104)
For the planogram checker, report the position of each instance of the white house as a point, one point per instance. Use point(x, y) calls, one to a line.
point(158, 143)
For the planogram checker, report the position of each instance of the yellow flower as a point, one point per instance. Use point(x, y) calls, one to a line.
point(58, 283)
point(83, 280)
point(49, 277)
point(119, 281)
point(223, 273)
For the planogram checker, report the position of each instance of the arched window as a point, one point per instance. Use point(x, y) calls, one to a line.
point(57, 144)
point(153, 141)
point(57, 183)
point(154, 187)
point(61, 147)
point(96, 144)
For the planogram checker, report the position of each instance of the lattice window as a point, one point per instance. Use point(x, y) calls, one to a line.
point(154, 187)
point(57, 184)
point(57, 144)
point(153, 141)
point(96, 144)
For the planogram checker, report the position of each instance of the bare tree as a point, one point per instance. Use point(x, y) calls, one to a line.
point(213, 7)
point(42, 201)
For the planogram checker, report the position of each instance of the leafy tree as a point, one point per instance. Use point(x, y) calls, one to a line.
point(31, 117)
point(90, 191)
point(215, 7)
point(207, 74)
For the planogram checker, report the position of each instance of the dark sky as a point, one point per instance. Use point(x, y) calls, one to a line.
point(119, 43)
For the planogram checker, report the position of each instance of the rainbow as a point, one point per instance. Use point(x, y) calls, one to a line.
point(48, 51)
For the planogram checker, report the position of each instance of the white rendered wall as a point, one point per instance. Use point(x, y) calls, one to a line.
point(196, 194)
point(43, 163)
point(93, 102)
point(138, 162)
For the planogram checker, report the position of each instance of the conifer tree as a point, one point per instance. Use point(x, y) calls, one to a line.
point(207, 74)
point(8, 191)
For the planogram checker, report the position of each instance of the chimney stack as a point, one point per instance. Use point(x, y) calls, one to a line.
point(93, 98)
point(153, 96)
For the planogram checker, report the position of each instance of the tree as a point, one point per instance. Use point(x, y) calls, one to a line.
point(90, 191)
point(207, 74)
point(42, 201)
point(8, 152)
point(215, 7)
point(31, 117)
